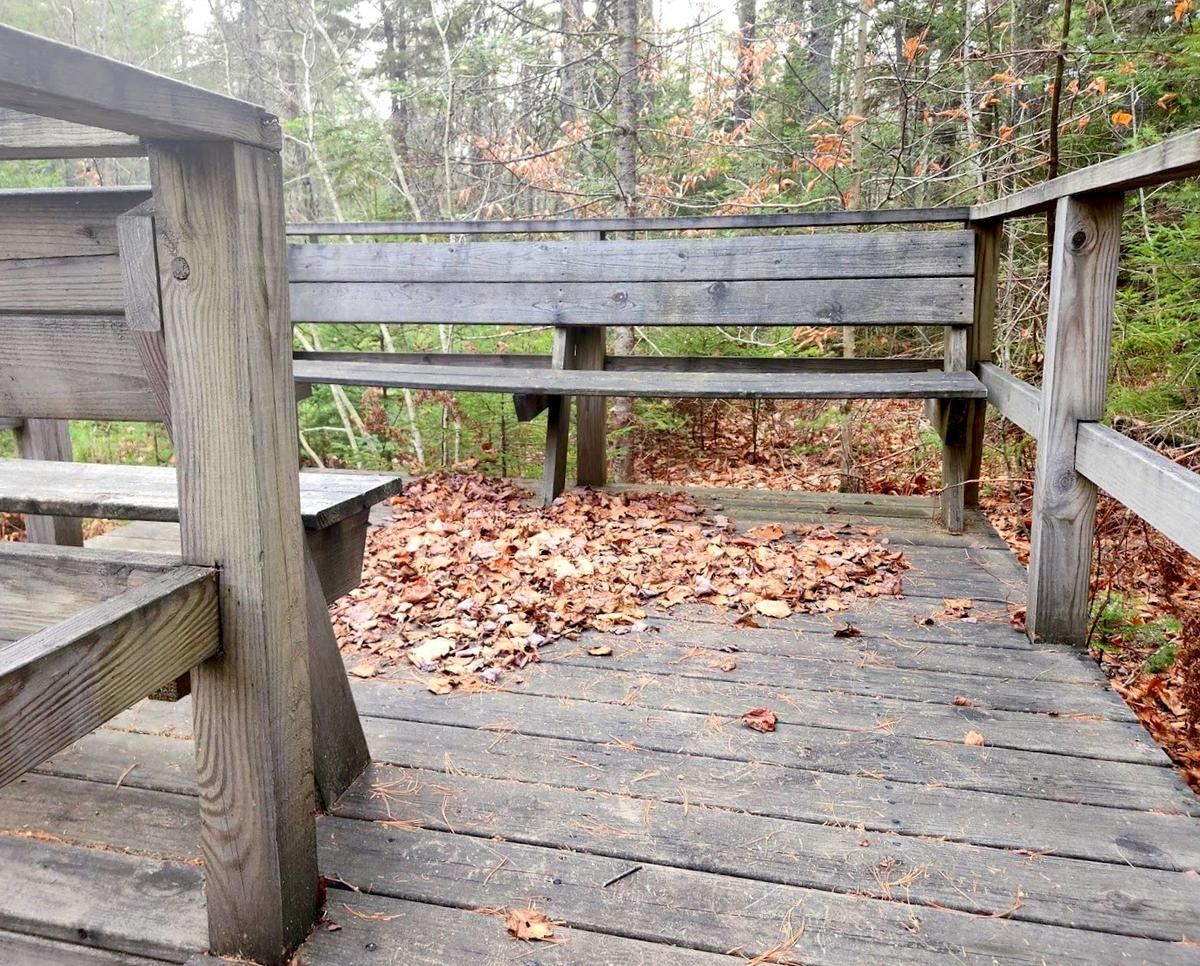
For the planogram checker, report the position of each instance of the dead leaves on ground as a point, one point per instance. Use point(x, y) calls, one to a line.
point(473, 577)
point(760, 719)
point(529, 925)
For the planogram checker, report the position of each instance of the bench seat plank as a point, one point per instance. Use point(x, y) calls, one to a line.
point(149, 492)
point(670, 385)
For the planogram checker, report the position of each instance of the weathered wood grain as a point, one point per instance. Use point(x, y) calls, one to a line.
point(810, 219)
point(633, 363)
point(129, 492)
point(43, 584)
point(591, 412)
point(339, 749)
point(558, 421)
point(56, 80)
point(989, 242)
point(64, 367)
point(953, 423)
point(48, 439)
point(225, 312)
point(61, 222)
point(686, 385)
point(925, 301)
point(60, 683)
point(76, 285)
point(1083, 284)
point(126, 903)
point(1157, 489)
point(29, 137)
point(846, 255)
point(1016, 400)
point(35, 951)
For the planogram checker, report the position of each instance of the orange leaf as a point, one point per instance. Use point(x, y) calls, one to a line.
point(1121, 118)
point(1181, 8)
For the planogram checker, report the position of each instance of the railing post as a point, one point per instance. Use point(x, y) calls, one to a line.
point(1083, 284)
point(223, 277)
point(591, 436)
point(989, 238)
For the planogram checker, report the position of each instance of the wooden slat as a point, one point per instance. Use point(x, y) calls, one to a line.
point(40, 76)
point(1083, 285)
point(65, 367)
point(27, 136)
point(48, 439)
point(1170, 160)
point(42, 584)
point(858, 255)
point(76, 285)
point(558, 421)
point(223, 279)
point(953, 421)
point(1016, 400)
point(814, 219)
point(924, 301)
point(1160, 491)
point(125, 492)
point(634, 363)
point(61, 222)
point(60, 683)
point(685, 385)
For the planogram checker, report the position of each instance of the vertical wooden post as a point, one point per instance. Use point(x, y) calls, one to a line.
point(558, 420)
point(989, 239)
point(952, 424)
point(223, 275)
point(48, 439)
point(591, 436)
point(1083, 284)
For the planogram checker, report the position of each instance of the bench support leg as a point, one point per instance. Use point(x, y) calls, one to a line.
point(591, 437)
point(48, 439)
point(952, 419)
point(339, 747)
point(558, 421)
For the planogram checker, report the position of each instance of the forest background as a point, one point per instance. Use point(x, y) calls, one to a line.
point(465, 109)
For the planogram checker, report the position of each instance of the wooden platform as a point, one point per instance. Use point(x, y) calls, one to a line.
point(621, 796)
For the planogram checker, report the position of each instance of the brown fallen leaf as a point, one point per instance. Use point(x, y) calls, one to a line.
point(962, 701)
point(729, 664)
point(848, 631)
point(973, 738)
point(773, 608)
point(760, 719)
point(600, 650)
point(529, 925)
point(440, 686)
point(364, 670)
point(769, 531)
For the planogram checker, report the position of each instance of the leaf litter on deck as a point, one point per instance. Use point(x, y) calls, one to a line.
point(473, 577)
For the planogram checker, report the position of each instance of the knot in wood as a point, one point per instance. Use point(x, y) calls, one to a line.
point(1079, 238)
point(620, 297)
point(716, 289)
point(180, 269)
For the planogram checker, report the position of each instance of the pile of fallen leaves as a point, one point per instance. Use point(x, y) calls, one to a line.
point(472, 576)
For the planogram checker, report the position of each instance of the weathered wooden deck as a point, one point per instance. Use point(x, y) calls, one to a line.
point(865, 830)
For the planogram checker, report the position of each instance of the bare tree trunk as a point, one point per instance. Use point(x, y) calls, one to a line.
point(627, 184)
point(821, 32)
point(747, 18)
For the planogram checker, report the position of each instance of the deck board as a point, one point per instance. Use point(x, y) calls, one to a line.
point(865, 823)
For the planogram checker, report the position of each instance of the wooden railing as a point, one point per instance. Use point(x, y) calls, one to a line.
point(1076, 454)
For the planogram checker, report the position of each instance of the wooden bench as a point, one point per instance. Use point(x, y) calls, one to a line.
point(578, 287)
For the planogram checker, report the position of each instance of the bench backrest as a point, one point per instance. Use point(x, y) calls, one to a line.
point(876, 278)
point(70, 352)
point(66, 351)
